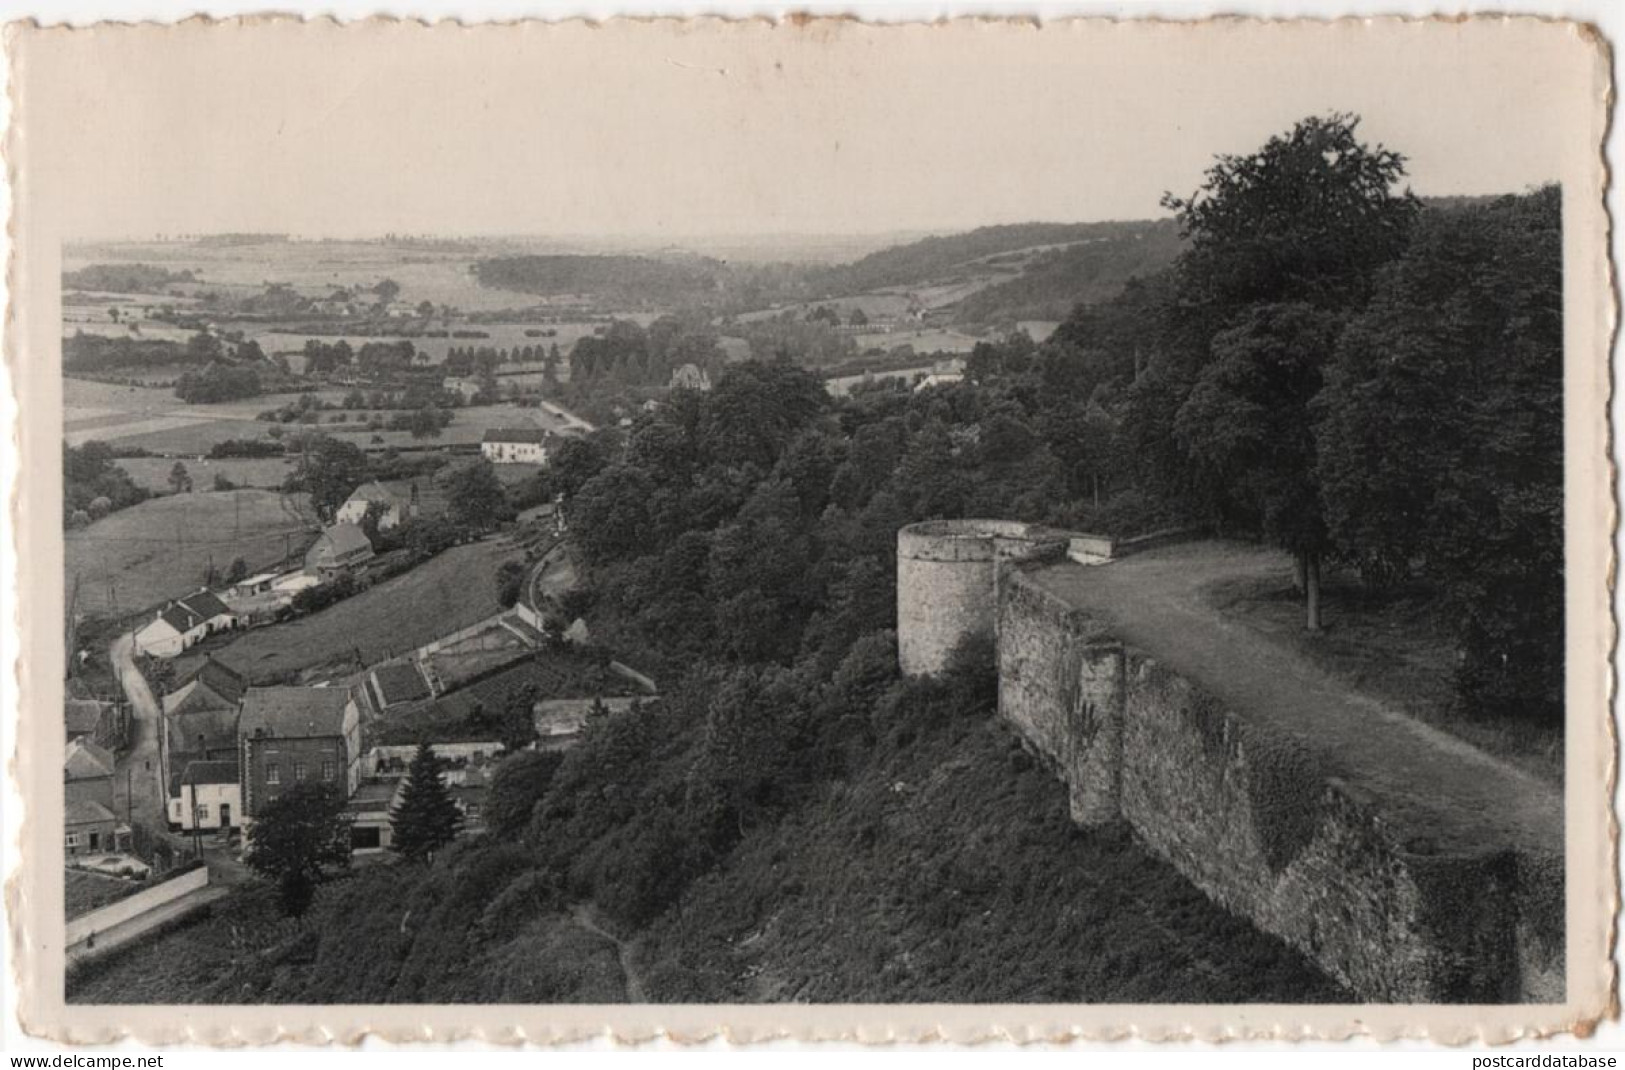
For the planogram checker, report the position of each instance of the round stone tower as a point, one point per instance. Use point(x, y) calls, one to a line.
point(947, 582)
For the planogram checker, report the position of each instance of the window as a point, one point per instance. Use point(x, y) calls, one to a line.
point(273, 773)
point(75, 839)
point(202, 811)
point(298, 771)
point(327, 771)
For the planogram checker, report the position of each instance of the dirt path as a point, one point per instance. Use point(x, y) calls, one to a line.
point(553, 575)
point(1438, 787)
point(582, 915)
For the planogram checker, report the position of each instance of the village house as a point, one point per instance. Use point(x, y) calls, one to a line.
point(200, 723)
point(297, 735)
point(515, 445)
point(89, 824)
point(206, 795)
point(465, 767)
point(183, 623)
point(338, 549)
point(397, 501)
point(102, 723)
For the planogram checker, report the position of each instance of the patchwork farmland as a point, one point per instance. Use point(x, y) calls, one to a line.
point(139, 557)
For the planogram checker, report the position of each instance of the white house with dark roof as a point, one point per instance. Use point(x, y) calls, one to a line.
point(398, 502)
point(515, 445)
point(183, 623)
point(206, 795)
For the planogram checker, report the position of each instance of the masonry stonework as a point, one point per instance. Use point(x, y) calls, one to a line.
point(947, 578)
point(1248, 814)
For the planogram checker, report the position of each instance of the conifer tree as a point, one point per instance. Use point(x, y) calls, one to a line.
point(427, 818)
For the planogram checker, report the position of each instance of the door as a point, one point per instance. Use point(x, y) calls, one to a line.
point(225, 815)
point(95, 841)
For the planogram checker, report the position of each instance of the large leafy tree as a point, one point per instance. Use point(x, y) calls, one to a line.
point(330, 470)
point(426, 818)
point(299, 840)
point(1283, 244)
point(477, 499)
point(1442, 440)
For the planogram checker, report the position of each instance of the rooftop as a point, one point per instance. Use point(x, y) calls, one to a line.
point(532, 435)
point(345, 539)
point(83, 715)
point(85, 760)
point(294, 711)
point(86, 812)
point(211, 772)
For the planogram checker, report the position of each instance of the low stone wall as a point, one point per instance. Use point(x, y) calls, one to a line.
point(1257, 823)
point(80, 929)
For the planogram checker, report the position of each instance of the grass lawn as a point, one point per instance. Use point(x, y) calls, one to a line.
point(1393, 649)
point(263, 472)
point(445, 593)
point(138, 557)
point(83, 891)
point(560, 674)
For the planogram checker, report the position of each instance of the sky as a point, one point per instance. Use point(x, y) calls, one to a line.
point(660, 130)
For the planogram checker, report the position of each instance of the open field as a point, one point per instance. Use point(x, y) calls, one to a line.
point(501, 336)
point(138, 557)
point(424, 274)
point(154, 419)
point(263, 472)
point(447, 592)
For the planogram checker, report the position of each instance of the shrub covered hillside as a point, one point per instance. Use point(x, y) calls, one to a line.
point(937, 865)
point(790, 820)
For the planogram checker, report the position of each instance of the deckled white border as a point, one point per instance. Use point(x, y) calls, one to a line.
point(762, 1023)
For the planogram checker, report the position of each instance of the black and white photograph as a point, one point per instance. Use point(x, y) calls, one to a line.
point(813, 514)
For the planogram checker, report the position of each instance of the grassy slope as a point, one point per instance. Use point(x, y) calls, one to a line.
point(447, 592)
point(949, 871)
point(138, 557)
point(944, 869)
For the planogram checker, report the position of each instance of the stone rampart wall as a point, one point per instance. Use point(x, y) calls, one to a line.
point(1255, 821)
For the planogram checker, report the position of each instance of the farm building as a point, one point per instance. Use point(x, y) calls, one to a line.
point(338, 549)
point(515, 445)
point(89, 824)
point(398, 682)
point(206, 795)
point(295, 735)
point(182, 623)
point(397, 500)
point(250, 586)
